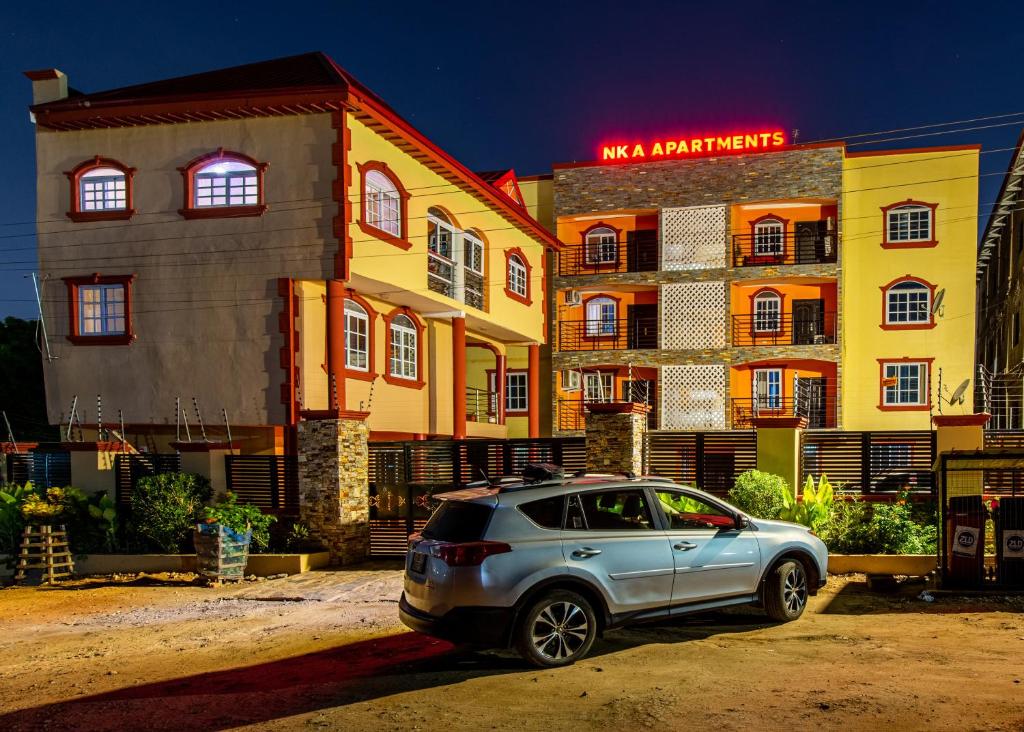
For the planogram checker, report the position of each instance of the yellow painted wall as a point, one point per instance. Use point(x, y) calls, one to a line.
point(948, 178)
point(405, 272)
point(539, 199)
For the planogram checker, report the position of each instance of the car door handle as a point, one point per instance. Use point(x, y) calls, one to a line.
point(684, 546)
point(586, 552)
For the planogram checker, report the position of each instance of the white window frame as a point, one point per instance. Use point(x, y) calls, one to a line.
point(383, 205)
point(769, 238)
point(474, 252)
point(602, 315)
point(898, 302)
point(571, 380)
point(517, 275)
point(224, 183)
point(598, 386)
point(893, 396)
point(103, 189)
point(101, 310)
point(357, 337)
point(517, 391)
point(404, 355)
point(602, 246)
point(773, 383)
point(905, 220)
point(767, 313)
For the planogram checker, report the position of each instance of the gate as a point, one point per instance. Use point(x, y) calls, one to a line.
point(129, 467)
point(710, 461)
point(870, 462)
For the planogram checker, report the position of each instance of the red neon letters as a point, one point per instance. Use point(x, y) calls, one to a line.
point(695, 146)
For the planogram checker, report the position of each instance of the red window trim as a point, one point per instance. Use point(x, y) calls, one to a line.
point(882, 406)
point(418, 382)
point(618, 250)
point(769, 258)
point(886, 244)
point(189, 210)
point(371, 321)
point(74, 336)
point(74, 175)
point(492, 380)
point(402, 241)
point(517, 252)
point(753, 312)
point(781, 368)
point(907, 326)
point(618, 311)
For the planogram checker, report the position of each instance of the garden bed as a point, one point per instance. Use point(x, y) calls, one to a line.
point(261, 565)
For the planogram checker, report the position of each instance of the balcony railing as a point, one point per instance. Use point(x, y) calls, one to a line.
point(572, 415)
point(820, 411)
point(795, 329)
point(480, 405)
point(607, 335)
point(766, 250)
point(640, 255)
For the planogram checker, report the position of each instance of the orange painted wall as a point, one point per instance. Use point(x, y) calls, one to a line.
point(742, 295)
point(741, 377)
point(742, 217)
point(572, 232)
point(621, 376)
point(625, 299)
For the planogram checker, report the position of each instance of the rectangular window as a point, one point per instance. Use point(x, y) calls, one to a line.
point(403, 352)
point(767, 315)
point(231, 188)
point(904, 384)
point(910, 223)
point(101, 310)
point(908, 302)
point(768, 388)
point(473, 251)
point(517, 394)
point(104, 193)
point(597, 387)
point(357, 337)
point(570, 380)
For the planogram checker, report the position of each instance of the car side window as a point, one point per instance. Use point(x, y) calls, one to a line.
point(683, 511)
point(574, 519)
point(546, 513)
point(616, 510)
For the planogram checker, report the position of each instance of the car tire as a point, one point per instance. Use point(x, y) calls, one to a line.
point(786, 591)
point(557, 629)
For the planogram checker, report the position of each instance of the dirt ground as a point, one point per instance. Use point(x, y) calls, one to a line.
point(326, 650)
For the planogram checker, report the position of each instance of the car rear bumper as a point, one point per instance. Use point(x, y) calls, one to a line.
point(485, 626)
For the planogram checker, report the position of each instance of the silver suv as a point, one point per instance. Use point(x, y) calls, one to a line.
point(546, 566)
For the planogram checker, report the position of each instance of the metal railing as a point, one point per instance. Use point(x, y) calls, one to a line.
point(607, 335)
point(820, 412)
point(571, 414)
point(760, 250)
point(480, 405)
point(783, 329)
point(597, 258)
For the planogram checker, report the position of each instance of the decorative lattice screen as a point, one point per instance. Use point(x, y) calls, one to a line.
point(693, 397)
point(693, 237)
point(693, 315)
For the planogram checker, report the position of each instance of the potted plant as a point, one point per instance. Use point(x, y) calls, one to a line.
point(223, 538)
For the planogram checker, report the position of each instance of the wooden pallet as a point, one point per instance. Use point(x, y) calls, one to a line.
point(45, 548)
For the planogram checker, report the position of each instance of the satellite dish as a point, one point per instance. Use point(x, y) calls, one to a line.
point(937, 302)
point(958, 395)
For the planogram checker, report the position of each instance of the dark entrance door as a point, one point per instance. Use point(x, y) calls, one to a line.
point(643, 325)
point(642, 250)
point(808, 321)
point(642, 391)
point(810, 241)
point(811, 401)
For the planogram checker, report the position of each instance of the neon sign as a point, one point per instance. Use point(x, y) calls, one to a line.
point(695, 146)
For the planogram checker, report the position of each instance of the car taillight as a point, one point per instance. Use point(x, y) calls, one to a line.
point(469, 554)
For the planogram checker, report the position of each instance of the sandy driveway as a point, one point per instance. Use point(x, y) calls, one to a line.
point(326, 650)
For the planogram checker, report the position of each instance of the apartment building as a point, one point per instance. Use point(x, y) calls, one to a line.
point(764, 280)
point(271, 241)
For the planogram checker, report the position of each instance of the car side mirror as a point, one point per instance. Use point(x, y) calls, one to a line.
point(742, 522)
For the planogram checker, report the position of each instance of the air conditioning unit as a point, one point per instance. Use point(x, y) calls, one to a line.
point(570, 380)
point(572, 297)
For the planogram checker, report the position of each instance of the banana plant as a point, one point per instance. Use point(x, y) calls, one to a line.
point(813, 507)
point(104, 511)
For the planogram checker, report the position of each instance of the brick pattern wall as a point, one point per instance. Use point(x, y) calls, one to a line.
point(615, 443)
point(334, 489)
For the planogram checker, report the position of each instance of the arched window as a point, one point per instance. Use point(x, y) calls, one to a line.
point(769, 237)
point(473, 267)
point(357, 336)
point(909, 223)
point(767, 312)
point(383, 204)
point(602, 317)
point(908, 302)
point(101, 190)
point(440, 253)
point(404, 348)
point(601, 246)
point(517, 281)
point(223, 184)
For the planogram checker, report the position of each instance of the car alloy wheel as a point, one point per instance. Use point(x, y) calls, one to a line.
point(560, 631)
point(794, 589)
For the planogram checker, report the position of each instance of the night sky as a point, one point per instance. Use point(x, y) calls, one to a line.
point(527, 84)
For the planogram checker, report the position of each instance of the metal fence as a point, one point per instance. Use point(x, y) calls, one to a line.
point(268, 481)
point(45, 468)
point(709, 460)
point(870, 462)
point(130, 467)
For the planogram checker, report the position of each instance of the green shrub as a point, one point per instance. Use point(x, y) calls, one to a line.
point(881, 528)
point(241, 517)
point(847, 530)
point(166, 507)
point(814, 507)
point(762, 495)
point(12, 522)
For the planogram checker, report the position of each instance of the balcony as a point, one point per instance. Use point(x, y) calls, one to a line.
point(571, 415)
point(819, 409)
point(785, 329)
point(480, 405)
point(784, 248)
point(607, 335)
point(637, 254)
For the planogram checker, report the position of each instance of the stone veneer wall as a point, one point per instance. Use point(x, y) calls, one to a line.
point(334, 489)
point(813, 172)
point(615, 442)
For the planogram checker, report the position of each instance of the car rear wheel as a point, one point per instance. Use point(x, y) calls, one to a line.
point(786, 591)
point(556, 630)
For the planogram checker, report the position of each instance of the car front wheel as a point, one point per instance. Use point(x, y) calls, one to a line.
point(556, 630)
point(786, 591)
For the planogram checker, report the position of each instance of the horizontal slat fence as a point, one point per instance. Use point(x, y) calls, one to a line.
point(870, 462)
point(268, 481)
point(19, 468)
point(1004, 481)
point(51, 469)
point(709, 460)
point(130, 467)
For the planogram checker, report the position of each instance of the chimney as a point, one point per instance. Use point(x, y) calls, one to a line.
point(48, 85)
